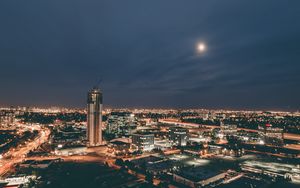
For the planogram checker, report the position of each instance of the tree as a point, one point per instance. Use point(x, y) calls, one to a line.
point(163, 184)
point(119, 162)
point(123, 168)
point(31, 183)
point(129, 164)
point(149, 178)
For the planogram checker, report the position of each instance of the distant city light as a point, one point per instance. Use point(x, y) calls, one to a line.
point(261, 142)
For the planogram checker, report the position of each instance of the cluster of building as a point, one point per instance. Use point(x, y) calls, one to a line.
point(271, 135)
point(273, 169)
point(20, 180)
point(121, 123)
point(38, 164)
point(198, 177)
point(125, 124)
point(149, 131)
point(7, 119)
point(68, 139)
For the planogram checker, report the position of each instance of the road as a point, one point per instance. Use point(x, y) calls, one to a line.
point(18, 154)
point(266, 153)
point(287, 136)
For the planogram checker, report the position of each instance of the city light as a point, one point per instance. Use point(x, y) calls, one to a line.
point(170, 136)
point(188, 96)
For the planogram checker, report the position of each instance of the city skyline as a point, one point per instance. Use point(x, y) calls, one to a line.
point(148, 54)
point(149, 94)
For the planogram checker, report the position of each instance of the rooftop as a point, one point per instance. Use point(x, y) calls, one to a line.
point(150, 159)
point(197, 174)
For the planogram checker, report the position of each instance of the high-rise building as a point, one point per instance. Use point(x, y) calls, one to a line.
point(94, 117)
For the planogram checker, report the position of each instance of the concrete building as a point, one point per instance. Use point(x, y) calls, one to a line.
point(273, 169)
point(118, 147)
point(94, 117)
point(228, 129)
point(143, 141)
point(18, 180)
point(198, 177)
point(178, 136)
point(7, 118)
point(153, 164)
point(41, 164)
point(70, 150)
point(122, 123)
point(271, 135)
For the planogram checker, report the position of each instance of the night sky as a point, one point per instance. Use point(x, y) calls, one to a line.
point(52, 52)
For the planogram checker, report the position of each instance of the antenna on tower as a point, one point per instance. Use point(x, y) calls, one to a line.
point(99, 82)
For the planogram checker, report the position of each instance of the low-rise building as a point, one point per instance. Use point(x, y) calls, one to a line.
point(143, 141)
point(228, 129)
point(70, 150)
point(273, 169)
point(178, 136)
point(154, 165)
point(17, 180)
point(118, 147)
point(198, 177)
point(271, 135)
point(42, 164)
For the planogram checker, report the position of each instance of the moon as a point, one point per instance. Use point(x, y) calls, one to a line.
point(201, 47)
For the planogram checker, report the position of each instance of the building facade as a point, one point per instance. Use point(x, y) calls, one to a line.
point(271, 135)
point(178, 136)
point(228, 129)
point(144, 142)
point(94, 117)
point(198, 177)
point(122, 124)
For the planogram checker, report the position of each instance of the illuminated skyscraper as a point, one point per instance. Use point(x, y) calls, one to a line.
point(94, 117)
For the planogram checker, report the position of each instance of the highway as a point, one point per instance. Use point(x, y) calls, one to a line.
point(287, 136)
point(17, 155)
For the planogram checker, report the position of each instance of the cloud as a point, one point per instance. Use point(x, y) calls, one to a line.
point(145, 52)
